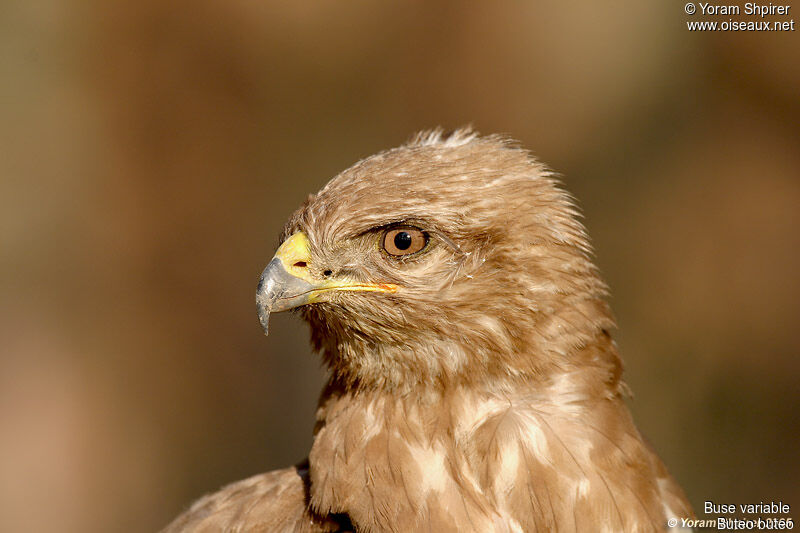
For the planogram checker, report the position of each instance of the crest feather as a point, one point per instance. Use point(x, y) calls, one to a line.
point(441, 137)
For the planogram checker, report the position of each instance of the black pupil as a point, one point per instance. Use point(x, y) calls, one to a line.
point(402, 241)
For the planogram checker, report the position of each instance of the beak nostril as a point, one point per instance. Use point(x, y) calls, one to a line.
point(327, 273)
point(300, 264)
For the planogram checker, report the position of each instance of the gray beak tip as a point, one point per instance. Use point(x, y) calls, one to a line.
point(263, 306)
point(264, 319)
point(279, 291)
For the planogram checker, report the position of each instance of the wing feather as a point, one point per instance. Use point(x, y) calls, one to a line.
point(274, 501)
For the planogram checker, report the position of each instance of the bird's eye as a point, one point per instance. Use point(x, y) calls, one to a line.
point(404, 241)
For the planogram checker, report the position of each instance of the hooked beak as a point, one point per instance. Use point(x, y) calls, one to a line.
point(287, 282)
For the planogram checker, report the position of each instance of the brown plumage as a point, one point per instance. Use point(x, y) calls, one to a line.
point(474, 385)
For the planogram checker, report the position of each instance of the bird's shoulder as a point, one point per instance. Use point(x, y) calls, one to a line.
point(272, 501)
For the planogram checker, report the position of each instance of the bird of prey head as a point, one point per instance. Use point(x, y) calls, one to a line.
point(474, 385)
point(450, 259)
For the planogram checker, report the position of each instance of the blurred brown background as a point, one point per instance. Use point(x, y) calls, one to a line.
point(151, 151)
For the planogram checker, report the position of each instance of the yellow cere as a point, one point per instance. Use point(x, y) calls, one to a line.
point(295, 255)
